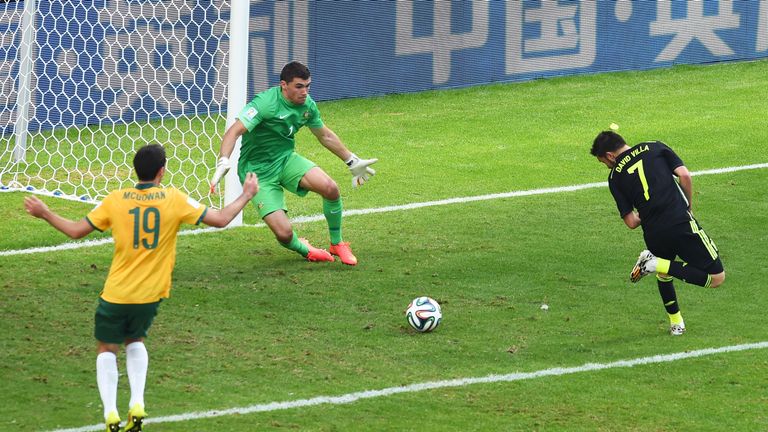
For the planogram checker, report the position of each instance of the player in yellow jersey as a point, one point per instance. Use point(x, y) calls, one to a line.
point(145, 220)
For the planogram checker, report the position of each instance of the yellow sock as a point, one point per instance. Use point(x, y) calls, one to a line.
point(675, 318)
point(662, 265)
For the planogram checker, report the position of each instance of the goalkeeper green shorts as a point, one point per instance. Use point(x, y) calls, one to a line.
point(114, 323)
point(271, 196)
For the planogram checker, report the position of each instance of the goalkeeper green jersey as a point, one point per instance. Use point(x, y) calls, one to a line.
point(272, 123)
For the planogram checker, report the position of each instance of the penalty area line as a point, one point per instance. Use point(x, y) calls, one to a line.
point(432, 385)
point(386, 209)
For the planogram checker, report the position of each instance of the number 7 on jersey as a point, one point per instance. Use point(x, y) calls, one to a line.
point(638, 166)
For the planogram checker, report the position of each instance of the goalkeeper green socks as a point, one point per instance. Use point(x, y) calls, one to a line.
point(296, 245)
point(332, 211)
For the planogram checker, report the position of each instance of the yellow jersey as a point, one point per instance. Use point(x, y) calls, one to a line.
point(145, 221)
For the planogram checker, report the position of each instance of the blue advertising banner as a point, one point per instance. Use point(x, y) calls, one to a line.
point(114, 61)
point(391, 47)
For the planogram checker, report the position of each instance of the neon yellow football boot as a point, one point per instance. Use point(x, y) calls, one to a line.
point(113, 422)
point(135, 418)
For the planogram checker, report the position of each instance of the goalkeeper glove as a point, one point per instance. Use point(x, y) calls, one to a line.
point(361, 169)
point(222, 167)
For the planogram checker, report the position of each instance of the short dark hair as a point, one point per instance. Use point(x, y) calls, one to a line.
point(148, 161)
point(293, 70)
point(605, 142)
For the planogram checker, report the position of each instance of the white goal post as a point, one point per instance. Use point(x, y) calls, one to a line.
point(85, 84)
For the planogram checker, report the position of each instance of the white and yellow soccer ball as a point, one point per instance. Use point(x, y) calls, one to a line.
point(424, 314)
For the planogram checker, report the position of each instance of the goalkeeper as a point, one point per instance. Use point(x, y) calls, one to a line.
point(268, 125)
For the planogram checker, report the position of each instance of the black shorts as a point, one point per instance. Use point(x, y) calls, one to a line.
point(687, 241)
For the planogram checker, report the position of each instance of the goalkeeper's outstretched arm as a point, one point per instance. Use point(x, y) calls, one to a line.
point(359, 168)
point(227, 146)
point(235, 131)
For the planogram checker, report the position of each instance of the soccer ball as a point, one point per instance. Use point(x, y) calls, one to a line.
point(423, 314)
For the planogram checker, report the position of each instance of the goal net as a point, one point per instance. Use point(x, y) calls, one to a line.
point(85, 84)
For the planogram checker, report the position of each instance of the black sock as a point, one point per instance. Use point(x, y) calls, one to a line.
point(689, 274)
point(668, 295)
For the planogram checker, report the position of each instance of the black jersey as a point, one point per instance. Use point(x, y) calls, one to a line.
point(643, 179)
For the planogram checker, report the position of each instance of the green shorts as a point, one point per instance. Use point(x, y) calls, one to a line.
point(271, 197)
point(117, 322)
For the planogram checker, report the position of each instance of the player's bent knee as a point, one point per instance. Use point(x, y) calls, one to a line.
point(283, 233)
point(284, 236)
point(331, 190)
point(717, 280)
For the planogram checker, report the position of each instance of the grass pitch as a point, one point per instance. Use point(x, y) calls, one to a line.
point(251, 323)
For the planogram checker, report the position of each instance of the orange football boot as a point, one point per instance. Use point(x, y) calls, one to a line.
point(344, 252)
point(315, 254)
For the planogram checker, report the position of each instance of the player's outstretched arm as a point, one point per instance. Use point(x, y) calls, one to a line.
point(74, 229)
point(360, 168)
point(227, 146)
point(222, 218)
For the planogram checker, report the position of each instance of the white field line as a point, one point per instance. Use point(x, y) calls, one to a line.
point(431, 385)
point(387, 209)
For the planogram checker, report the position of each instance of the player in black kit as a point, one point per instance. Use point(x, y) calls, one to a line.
point(643, 178)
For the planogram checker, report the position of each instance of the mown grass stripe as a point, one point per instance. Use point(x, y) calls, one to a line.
point(386, 209)
point(432, 385)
